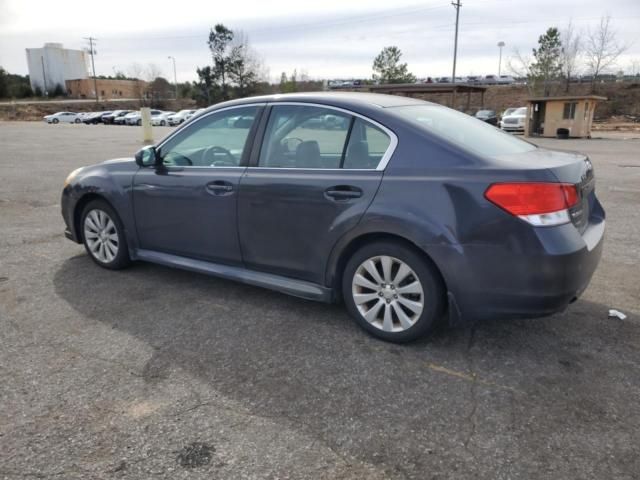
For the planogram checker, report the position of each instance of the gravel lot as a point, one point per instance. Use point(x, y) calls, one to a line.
point(152, 372)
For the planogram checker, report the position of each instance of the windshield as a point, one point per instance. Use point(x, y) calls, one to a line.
point(463, 130)
point(521, 111)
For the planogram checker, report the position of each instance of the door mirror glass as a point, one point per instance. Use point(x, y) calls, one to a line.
point(146, 157)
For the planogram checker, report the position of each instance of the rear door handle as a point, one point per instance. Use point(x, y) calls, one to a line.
point(219, 187)
point(343, 192)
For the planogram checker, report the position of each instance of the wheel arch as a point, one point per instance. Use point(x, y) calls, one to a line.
point(340, 258)
point(79, 208)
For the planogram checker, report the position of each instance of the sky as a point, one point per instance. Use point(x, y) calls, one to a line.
point(327, 39)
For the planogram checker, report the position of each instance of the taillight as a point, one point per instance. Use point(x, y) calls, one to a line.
point(540, 204)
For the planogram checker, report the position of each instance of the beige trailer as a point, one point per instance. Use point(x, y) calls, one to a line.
point(566, 116)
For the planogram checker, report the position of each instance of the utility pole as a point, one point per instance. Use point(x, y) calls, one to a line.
point(92, 52)
point(500, 45)
point(44, 77)
point(175, 77)
point(457, 6)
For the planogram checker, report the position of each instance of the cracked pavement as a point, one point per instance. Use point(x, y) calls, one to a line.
point(158, 373)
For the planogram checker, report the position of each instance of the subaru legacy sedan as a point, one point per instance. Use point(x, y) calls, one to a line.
point(407, 211)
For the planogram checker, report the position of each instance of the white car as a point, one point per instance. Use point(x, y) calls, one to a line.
point(161, 119)
point(63, 117)
point(505, 80)
point(514, 122)
point(197, 112)
point(135, 118)
point(180, 117)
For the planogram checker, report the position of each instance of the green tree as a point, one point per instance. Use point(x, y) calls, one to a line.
point(4, 83)
point(388, 69)
point(547, 63)
point(220, 38)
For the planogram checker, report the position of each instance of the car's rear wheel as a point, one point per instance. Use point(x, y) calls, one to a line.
point(55, 120)
point(392, 291)
point(139, 122)
point(103, 236)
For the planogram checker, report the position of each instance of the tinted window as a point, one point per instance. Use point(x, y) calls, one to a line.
point(462, 130)
point(218, 140)
point(304, 137)
point(367, 146)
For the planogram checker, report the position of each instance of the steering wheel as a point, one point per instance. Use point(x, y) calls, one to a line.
point(211, 151)
point(287, 143)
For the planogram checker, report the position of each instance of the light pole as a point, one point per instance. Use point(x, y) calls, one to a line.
point(500, 45)
point(175, 77)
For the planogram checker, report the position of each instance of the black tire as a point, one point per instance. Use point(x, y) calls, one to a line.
point(139, 122)
point(121, 259)
point(77, 120)
point(433, 291)
point(55, 120)
point(162, 123)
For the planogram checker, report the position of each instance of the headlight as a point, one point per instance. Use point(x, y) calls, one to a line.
point(71, 176)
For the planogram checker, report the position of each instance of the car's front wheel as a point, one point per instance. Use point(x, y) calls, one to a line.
point(55, 120)
point(103, 236)
point(392, 291)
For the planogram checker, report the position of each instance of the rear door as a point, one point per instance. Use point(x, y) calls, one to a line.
point(314, 175)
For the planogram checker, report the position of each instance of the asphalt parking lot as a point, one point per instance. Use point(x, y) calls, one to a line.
point(152, 372)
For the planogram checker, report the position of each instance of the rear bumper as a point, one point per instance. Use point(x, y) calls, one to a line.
point(539, 279)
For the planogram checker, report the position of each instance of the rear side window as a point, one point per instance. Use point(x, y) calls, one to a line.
point(304, 137)
point(367, 145)
point(462, 130)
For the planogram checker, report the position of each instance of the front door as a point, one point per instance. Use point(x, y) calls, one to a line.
point(187, 206)
point(315, 177)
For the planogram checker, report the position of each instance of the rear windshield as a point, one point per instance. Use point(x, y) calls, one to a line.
point(463, 130)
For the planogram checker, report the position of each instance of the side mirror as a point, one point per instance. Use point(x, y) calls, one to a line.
point(147, 156)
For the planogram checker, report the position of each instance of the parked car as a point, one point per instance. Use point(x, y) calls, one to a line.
point(135, 118)
point(505, 80)
point(62, 117)
point(488, 116)
point(507, 111)
point(180, 117)
point(473, 79)
point(490, 80)
point(415, 213)
point(189, 116)
point(514, 121)
point(95, 117)
point(161, 119)
point(110, 119)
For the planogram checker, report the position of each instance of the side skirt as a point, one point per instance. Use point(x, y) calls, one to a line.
point(290, 286)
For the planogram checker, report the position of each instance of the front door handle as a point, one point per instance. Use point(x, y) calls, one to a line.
point(220, 187)
point(343, 192)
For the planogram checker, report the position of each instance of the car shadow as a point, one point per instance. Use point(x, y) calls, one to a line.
point(412, 408)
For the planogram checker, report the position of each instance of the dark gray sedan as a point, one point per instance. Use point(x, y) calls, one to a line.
point(409, 212)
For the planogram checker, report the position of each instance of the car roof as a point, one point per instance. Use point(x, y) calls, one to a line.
point(348, 100)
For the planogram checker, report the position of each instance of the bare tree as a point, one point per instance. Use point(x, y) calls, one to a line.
point(152, 72)
point(571, 49)
point(136, 71)
point(602, 49)
point(245, 65)
point(519, 65)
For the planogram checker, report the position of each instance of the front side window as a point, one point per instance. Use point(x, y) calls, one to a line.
point(217, 140)
point(300, 136)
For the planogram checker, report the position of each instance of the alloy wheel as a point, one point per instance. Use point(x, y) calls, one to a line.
point(101, 235)
point(388, 293)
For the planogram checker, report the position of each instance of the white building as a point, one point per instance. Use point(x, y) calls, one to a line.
point(51, 65)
